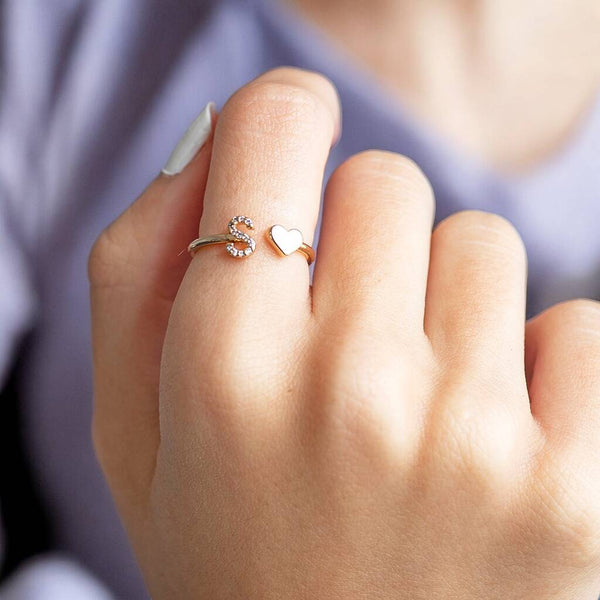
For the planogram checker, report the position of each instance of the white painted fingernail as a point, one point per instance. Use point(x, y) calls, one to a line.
point(192, 140)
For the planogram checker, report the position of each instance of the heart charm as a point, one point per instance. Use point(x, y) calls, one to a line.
point(287, 241)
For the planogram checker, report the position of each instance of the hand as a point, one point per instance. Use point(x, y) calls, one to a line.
point(395, 431)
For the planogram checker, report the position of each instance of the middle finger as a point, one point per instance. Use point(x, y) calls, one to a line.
point(374, 248)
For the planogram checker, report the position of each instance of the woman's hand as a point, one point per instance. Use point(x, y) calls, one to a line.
point(395, 431)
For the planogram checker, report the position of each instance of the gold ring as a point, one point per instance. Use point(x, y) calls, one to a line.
point(286, 241)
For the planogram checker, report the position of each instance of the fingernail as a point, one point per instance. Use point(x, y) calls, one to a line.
point(192, 140)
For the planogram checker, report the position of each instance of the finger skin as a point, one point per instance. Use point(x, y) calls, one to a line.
point(475, 314)
point(273, 138)
point(563, 355)
point(271, 146)
point(374, 244)
point(270, 149)
point(135, 269)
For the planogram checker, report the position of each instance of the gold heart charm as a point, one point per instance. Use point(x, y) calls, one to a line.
point(286, 241)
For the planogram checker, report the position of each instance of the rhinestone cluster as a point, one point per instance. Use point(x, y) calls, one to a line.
point(241, 236)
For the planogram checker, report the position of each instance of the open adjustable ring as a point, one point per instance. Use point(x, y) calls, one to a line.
point(285, 241)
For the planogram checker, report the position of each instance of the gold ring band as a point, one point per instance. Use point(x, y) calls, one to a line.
point(285, 241)
point(308, 251)
point(209, 240)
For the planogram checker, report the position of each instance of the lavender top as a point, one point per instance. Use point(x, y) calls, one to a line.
point(93, 97)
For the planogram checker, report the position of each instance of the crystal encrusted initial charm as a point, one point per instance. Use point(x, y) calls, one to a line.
point(240, 236)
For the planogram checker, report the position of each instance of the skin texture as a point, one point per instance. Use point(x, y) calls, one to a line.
point(397, 430)
point(506, 82)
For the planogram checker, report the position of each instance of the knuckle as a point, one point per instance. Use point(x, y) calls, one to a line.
point(386, 171)
point(580, 534)
point(312, 80)
point(234, 385)
point(571, 515)
point(271, 107)
point(478, 442)
point(574, 326)
point(371, 401)
point(359, 391)
point(106, 253)
point(580, 314)
point(232, 376)
point(382, 162)
point(487, 230)
point(393, 178)
point(120, 249)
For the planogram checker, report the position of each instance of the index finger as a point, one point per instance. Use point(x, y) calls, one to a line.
point(270, 148)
